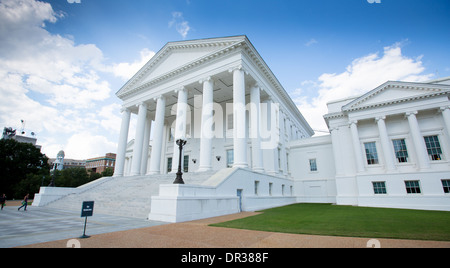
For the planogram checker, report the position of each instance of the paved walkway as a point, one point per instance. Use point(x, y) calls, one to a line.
point(47, 228)
point(38, 225)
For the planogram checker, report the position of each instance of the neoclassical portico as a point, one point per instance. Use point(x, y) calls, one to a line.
point(230, 78)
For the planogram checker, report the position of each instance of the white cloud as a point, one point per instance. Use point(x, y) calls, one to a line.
point(361, 76)
point(311, 42)
point(126, 70)
point(110, 119)
point(87, 145)
point(181, 25)
point(57, 86)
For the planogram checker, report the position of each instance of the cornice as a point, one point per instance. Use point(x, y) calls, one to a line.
point(396, 101)
point(254, 56)
point(431, 90)
point(333, 115)
point(230, 45)
point(127, 89)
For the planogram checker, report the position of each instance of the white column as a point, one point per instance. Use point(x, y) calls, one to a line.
point(338, 161)
point(446, 115)
point(269, 130)
point(155, 159)
point(146, 144)
point(255, 115)
point(123, 140)
point(207, 133)
point(385, 144)
point(419, 142)
point(240, 139)
point(357, 147)
point(180, 126)
point(139, 140)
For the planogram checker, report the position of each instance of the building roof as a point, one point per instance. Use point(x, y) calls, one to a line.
point(181, 57)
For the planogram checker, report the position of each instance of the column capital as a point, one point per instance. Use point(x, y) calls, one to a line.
point(407, 114)
point(142, 103)
point(333, 129)
point(160, 97)
point(378, 118)
point(124, 109)
point(238, 67)
point(443, 108)
point(206, 79)
point(353, 122)
point(256, 85)
point(183, 88)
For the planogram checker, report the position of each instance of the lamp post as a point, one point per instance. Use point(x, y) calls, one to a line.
point(179, 179)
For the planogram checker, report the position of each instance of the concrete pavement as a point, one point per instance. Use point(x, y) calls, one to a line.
point(40, 224)
point(50, 228)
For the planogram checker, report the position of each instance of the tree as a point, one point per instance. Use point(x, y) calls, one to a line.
point(109, 172)
point(21, 166)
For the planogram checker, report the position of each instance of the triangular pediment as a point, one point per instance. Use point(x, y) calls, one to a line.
point(175, 57)
point(396, 92)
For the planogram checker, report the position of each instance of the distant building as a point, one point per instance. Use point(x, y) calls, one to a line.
point(69, 163)
point(9, 133)
point(100, 164)
point(61, 163)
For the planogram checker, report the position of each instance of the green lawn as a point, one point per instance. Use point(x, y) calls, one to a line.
point(332, 220)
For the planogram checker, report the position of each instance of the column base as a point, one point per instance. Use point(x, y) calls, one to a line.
point(240, 165)
point(260, 170)
point(204, 169)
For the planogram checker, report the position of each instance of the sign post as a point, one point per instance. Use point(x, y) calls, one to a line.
point(87, 211)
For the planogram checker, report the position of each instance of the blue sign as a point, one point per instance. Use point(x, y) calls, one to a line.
point(88, 209)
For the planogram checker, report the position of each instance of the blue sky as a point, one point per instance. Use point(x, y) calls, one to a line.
point(62, 61)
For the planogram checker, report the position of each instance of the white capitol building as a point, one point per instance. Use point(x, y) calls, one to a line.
point(249, 147)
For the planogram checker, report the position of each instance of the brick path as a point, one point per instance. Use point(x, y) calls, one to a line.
point(197, 234)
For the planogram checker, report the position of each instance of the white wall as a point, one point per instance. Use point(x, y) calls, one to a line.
point(356, 188)
point(218, 196)
point(313, 186)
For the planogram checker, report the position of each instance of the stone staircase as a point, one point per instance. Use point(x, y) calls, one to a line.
point(124, 196)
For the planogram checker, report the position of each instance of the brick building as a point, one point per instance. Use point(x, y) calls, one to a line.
point(100, 164)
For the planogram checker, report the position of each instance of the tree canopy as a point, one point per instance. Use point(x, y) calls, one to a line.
point(22, 168)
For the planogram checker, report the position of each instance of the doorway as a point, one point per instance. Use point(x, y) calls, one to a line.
point(239, 194)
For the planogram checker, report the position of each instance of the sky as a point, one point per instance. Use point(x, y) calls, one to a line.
point(62, 61)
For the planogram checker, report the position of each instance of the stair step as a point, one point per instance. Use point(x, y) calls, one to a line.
point(124, 196)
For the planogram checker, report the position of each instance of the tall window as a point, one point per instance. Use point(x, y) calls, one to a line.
point(186, 164)
point(171, 134)
point(188, 131)
point(371, 153)
point(279, 159)
point(412, 187)
point(433, 148)
point(256, 187)
point(230, 158)
point(401, 153)
point(169, 164)
point(446, 186)
point(230, 120)
point(312, 165)
point(379, 187)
